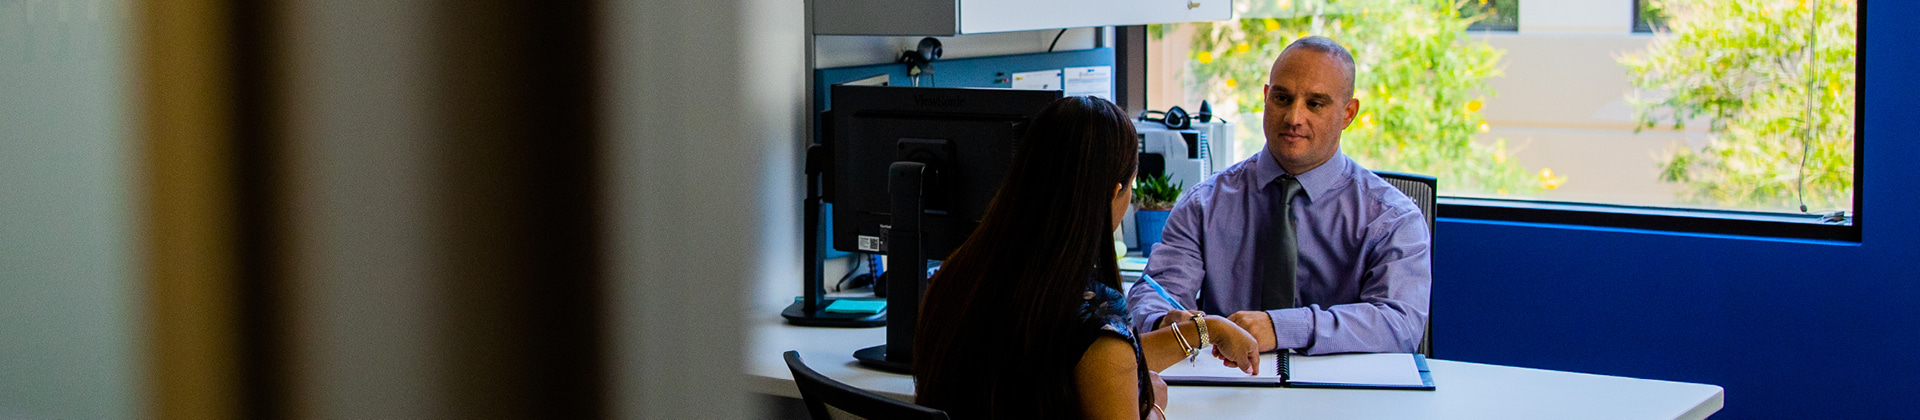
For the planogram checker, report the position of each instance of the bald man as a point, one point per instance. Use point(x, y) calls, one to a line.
point(1298, 244)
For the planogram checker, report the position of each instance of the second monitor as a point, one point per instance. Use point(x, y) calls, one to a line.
point(913, 171)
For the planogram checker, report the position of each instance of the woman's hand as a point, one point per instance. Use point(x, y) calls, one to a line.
point(1159, 391)
point(1233, 345)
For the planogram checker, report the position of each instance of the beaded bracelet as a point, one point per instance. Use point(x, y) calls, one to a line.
point(1201, 323)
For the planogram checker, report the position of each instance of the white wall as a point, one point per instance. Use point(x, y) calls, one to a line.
point(68, 297)
point(1576, 16)
point(841, 51)
point(704, 104)
point(1561, 106)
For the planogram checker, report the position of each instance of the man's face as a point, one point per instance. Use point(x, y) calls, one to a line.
point(1309, 101)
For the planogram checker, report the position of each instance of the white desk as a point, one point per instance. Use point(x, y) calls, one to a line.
point(1466, 390)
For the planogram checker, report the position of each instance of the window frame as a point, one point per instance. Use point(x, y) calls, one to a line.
point(1515, 27)
point(1650, 218)
point(1642, 26)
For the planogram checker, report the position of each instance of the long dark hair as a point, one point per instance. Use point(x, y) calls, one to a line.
point(999, 328)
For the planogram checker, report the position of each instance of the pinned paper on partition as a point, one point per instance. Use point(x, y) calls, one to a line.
point(1037, 80)
point(1090, 81)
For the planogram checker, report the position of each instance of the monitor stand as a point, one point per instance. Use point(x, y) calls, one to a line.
point(906, 269)
point(811, 310)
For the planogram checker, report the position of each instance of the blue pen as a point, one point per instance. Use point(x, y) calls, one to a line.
point(1162, 291)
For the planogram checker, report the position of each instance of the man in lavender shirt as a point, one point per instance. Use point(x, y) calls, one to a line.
point(1363, 271)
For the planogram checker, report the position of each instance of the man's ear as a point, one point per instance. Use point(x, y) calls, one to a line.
point(1353, 109)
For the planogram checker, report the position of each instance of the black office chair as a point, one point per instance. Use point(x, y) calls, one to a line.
point(1422, 189)
point(828, 399)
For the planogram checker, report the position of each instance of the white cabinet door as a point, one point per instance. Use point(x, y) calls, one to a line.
point(955, 17)
point(982, 16)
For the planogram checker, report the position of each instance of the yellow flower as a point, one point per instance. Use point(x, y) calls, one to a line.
point(1304, 34)
point(1205, 57)
point(1241, 47)
point(1484, 127)
point(1501, 191)
point(1473, 106)
point(1500, 154)
point(1231, 83)
point(1274, 24)
point(1366, 120)
point(1548, 181)
point(1803, 4)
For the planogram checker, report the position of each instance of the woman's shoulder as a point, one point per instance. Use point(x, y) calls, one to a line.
point(1105, 308)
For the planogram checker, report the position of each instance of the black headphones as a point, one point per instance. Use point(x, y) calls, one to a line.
point(1175, 118)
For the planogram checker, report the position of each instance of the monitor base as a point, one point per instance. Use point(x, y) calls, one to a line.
point(876, 357)
point(797, 314)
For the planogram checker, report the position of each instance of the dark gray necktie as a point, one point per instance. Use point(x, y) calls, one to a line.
point(1282, 257)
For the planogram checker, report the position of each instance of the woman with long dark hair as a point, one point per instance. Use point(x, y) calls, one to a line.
point(1026, 319)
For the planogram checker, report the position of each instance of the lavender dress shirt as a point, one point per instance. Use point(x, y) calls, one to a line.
point(1364, 265)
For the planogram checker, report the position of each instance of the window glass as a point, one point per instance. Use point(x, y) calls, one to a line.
point(1492, 15)
point(1732, 104)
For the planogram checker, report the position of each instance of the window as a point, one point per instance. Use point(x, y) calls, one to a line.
point(1647, 18)
point(1735, 109)
point(1492, 15)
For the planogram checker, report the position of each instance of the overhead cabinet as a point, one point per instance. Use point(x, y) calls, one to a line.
point(957, 17)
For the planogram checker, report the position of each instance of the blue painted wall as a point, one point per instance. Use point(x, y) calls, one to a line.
point(1791, 329)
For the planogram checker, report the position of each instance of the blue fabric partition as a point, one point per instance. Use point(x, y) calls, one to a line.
point(1792, 329)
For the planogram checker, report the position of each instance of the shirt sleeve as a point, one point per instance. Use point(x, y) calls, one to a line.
point(1176, 263)
point(1391, 316)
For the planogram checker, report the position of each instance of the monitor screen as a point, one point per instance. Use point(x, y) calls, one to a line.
point(965, 136)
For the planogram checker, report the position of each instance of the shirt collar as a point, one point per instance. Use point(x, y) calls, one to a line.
point(1314, 183)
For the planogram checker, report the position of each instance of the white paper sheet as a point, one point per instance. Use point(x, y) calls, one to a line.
point(1037, 80)
point(1090, 81)
point(1390, 369)
point(1373, 369)
point(1210, 368)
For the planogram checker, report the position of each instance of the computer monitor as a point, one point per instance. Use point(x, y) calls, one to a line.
point(913, 172)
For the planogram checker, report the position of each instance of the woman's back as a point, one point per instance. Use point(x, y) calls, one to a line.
point(1009, 316)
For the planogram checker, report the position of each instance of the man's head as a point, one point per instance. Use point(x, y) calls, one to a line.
point(1309, 100)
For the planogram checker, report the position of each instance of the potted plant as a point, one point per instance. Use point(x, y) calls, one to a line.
point(1154, 195)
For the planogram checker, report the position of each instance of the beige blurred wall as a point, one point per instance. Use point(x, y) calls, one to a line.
point(68, 326)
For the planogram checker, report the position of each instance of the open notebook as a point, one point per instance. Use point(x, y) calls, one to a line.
point(1358, 370)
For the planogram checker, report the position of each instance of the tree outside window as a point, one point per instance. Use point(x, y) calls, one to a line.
point(1420, 79)
point(1776, 81)
point(1772, 82)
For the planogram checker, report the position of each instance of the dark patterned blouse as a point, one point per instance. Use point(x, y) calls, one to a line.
point(1104, 311)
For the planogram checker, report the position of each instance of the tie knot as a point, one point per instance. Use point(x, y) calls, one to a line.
point(1289, 187)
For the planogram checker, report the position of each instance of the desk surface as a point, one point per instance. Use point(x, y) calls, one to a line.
point(1466, 390)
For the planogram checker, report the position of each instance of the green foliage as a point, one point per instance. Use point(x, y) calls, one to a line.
point(1494, 14)
point(1420, 79)
point(1745, 65)
point(1156, 192)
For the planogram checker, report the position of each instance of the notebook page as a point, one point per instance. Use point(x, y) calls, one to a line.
point(1207, 366)
point(1394, 369)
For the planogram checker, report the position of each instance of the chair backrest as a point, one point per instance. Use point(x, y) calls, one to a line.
point(825, 396)
point(1422, 189)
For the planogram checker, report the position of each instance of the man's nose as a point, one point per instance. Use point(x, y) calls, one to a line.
point(1297, 115)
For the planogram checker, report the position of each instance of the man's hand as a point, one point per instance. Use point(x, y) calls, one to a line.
point(1257, 323)
point(1178, 315)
